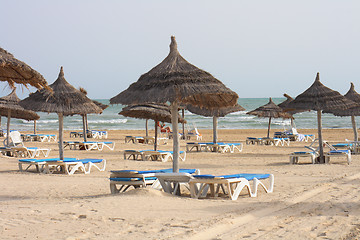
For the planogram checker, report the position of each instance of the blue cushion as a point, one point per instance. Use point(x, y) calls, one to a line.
point(93, 160)
point(248, 176)
point(168, 170)
point(131, 179)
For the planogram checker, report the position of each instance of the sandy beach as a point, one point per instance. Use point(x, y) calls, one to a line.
point(308, 202)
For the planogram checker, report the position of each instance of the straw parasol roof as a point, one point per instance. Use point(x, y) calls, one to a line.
point(63, 100)
point(215, 113)
point(156, 112)
point(320, 98)
point(99, 104)
point(175, 79)
point(220, 112)
point(11, 102)
point(284, 105)
point(14, 71)
point(270, 110)
point(9, 107)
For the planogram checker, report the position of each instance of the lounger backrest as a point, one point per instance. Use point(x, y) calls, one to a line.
point(15, 138)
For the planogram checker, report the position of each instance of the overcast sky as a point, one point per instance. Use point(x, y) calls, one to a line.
point(257, 48)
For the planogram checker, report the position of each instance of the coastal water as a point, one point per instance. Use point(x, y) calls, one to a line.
point(111, 120)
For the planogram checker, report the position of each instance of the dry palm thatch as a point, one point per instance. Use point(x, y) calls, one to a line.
point(284, 106)
point(177, 81)
point(270, 110)
point(10, 108)
point(156, 112)
point(214, 113)
point(64, 100)
point(14, 71)
point(353, 111)
point(320, 98)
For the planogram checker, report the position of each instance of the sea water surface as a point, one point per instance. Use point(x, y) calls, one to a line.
point(111, 120)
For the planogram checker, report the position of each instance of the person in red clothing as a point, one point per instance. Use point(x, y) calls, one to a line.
point(163, 128)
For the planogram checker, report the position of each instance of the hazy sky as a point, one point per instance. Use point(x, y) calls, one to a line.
point(257, 48)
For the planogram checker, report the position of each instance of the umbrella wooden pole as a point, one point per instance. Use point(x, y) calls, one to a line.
point(354, 128)
point(214, 129)
point(321, 147)
point(183, 124)
point(86, 123)
point(61, 139)
point(156, 135)
point(84, 128)
point(146, 127)
point(8, 128)
point(34, 126)
point(176, 145)
point(268, 134)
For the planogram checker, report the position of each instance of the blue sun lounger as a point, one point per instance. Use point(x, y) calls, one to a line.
point(231, 185)
point(134, 178)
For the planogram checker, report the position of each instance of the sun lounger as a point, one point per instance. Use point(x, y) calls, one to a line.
point(30, 152)
point(134, 139)
point(171, 182)
point(199, 147)
point(294, 157)
point(253, 140)
point(133, 178)
point(153, 155)
point(231, 185)
point(337, 153)
point(38, 163)
point(70, 166)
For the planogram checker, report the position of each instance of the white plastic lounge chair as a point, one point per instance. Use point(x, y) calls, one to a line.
point(15, 139)
point(253, 140)
point(99, 164)
point(194, 133)
point(133, 178)
point(64, 166)
point(153, 155)
point(39, 164)
point(199, 147)
point(31, 152)
point(231, 185)
point(109, 145)
point(134, 139)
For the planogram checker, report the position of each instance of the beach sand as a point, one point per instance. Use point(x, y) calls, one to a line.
point(308, 202)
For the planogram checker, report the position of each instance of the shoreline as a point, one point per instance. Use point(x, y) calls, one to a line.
point(308, 202)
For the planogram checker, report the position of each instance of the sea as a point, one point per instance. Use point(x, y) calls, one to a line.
point(111, 120)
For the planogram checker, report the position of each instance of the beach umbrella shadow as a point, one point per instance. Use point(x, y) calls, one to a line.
point(64, 99)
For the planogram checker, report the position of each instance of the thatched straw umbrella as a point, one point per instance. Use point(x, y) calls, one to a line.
point(84, 116)
point(270, 110)
point(354, 111)
point(10, 108)
point(177, 81)
point(14, 71)
point(215, 113)
point(284, 106)
point(64, 100)
point(320, 98)
point(156, 112)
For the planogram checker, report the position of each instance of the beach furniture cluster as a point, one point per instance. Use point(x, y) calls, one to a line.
point(199, 186)
point(213, 147)
point(154, 155)
point(67, 165)
point(90, 134)
point(78, 145)
point(39, 137)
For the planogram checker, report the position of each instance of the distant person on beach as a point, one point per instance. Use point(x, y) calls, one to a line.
point(163, 128)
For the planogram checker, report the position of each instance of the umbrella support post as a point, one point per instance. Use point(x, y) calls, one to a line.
point(183, 124)
point(34, 126)
point(176, 145)
point(147, 127)
point(268, 133)
point(8, 128)
point(214, 129)
point(156, 135)
point(354, 128)
point(84, 128)
point(321, 147)
point(61, 139)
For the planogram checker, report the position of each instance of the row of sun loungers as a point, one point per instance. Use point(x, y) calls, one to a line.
point(268, 141)
point(213, 147)
point(313, 153)
point(68, 165)
point(39, 137)
point(77, 145)
point(198, 185)
point(144, 140)
point(90, 134)
point(153, 155)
